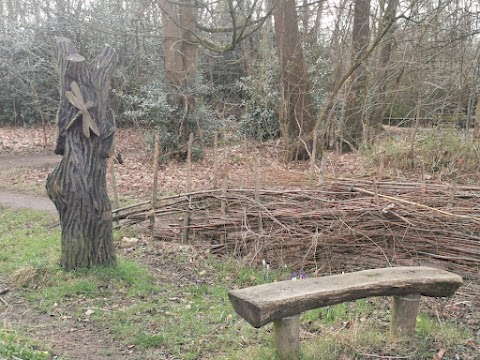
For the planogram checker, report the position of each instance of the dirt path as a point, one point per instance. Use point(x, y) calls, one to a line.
point(18, 200)
point(71, 339)
point(64, 336)
point(32, 160)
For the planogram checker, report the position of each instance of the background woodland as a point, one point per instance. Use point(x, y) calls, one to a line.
point(320, 74)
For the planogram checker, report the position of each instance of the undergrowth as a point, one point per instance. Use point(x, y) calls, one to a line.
point(180, 308)
point(444, 154)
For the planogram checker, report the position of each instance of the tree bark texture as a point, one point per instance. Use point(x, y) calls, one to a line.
point(2, 21)
point(77, 186)
point(353, 132)
point(181, 53)
point(179, 42)
point(296, 109)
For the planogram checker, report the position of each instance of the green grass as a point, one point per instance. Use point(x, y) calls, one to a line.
point(13, 346)
point(187, 316)
point(29, 238)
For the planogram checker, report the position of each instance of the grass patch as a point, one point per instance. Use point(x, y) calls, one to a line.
point(13, 346)
point(29, 238)
point(185, 311)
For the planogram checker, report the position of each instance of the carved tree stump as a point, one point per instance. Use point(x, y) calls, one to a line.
point(85, 138)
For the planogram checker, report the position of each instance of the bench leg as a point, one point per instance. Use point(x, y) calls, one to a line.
point(286, 333)
point(404, 314)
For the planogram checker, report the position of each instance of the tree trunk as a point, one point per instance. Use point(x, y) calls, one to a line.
point(179, 42)
point(296, 110)
point(376, 123)
point(77, 186)
point(355, 100)
point(180, 51)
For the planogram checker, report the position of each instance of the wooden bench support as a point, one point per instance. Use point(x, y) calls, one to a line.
point(282, 302)
point(286, 336)
point(404, 314)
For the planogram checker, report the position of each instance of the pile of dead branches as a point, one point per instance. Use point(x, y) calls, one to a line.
point(348, 225)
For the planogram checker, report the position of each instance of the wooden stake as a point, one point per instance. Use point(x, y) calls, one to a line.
point(313, 158)
point(422, 170)
point(186, 218)
point(404, 314)
point(189, 163)
point(243, 179)
point(321, 175)
point(451, 198)
point(155, 180)
point(256, 180)
point(223, 203)
point(257, 193)
point(215, 160)
point(381, 165)
point(116, 203)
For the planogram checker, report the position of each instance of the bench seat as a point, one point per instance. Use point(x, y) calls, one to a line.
point(281, 302)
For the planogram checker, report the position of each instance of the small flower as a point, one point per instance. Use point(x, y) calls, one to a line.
point(303, 275)
point(230, 316)
point(264, 262)
point(266, 267)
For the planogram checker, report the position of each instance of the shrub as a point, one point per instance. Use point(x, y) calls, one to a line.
point(443, 152)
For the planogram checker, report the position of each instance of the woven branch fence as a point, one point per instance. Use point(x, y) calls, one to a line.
point(349, 225)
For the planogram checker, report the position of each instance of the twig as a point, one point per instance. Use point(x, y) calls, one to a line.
point(155, 179)
point(4, 291)
point(130, 206)
point(392, 198)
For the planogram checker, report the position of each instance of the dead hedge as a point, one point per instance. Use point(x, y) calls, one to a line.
point(347, 225)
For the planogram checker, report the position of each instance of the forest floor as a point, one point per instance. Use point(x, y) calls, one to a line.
point(25, 163)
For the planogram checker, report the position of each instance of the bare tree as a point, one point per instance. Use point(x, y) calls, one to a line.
point(384, 71)
point(180, 51)
point(296, 110)
point(179, 42)
point(354, 116)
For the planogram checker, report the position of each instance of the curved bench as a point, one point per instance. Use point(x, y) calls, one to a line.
point(282, 302)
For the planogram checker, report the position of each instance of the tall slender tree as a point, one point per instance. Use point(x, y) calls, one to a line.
point(374, 124)
point(180, 50)
point(354, 116)
point(296, 109)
